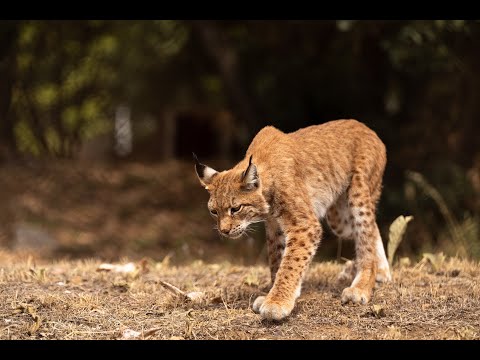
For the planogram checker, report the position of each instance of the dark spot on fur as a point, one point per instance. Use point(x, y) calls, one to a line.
point(297, 259)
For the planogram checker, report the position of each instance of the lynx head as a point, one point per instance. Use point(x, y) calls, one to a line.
point(236, 199)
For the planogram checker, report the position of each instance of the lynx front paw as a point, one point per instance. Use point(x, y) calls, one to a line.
point(273, 310)
point(258, 303)
point(355, 295)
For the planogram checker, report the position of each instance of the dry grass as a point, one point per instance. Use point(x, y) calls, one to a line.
point(72, 300)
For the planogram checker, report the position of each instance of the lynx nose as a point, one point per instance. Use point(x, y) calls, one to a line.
point(225, 231)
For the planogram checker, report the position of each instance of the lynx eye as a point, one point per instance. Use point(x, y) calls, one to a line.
point(234, 210)
point(213, 212)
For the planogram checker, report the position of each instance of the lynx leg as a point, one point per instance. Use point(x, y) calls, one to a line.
point(363, 218)
point(275, 247)
point(301, 243)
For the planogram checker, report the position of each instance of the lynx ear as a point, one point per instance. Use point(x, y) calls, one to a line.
point(204, 173)
point(250, 178)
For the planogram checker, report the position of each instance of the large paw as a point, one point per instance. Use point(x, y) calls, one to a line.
point(355, 295)
point(383, 275)
point(273, 310)
point(258, 303)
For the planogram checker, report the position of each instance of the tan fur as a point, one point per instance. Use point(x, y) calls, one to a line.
point(333, 170)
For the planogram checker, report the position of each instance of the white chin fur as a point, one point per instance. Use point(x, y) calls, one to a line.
point(236, 236)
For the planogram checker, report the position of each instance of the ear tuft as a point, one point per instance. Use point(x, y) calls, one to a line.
point(250, 178)
point(205, 174)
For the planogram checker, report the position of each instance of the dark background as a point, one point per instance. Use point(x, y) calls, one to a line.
point(72, 185)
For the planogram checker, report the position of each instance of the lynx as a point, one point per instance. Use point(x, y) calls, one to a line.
point(291, 181)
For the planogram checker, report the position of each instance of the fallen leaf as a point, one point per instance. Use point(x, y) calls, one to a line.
point(125, 268)
point(130, 334)
point(395, 236)
point(177, 338)
point(195, 296)
point(172, 288)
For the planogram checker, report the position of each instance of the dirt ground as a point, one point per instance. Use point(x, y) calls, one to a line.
point(77, 300)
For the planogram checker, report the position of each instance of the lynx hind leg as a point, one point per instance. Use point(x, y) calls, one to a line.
point(364, 232)
point(383, 267)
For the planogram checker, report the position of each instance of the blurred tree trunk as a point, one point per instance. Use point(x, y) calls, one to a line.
point(8, 36)
point(225, 58)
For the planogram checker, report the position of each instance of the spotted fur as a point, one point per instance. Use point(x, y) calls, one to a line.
point(291, 181)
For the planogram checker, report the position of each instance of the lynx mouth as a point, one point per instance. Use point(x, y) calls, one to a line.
point(235, 236)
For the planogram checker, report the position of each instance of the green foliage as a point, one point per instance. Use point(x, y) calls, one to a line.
point(70, 76)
